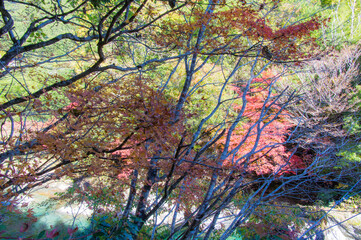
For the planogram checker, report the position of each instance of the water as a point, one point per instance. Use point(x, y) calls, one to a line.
point(50, 213)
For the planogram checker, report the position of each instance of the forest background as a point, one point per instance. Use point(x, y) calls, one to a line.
point(181, 119)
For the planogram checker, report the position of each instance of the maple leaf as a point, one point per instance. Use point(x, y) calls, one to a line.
point(71, 231)
point(270, 153)
point(53, 233)
point(24, 227)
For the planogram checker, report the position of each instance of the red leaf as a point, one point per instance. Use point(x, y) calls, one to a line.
point(72, 231)
point(24, 227)
point(54, 233)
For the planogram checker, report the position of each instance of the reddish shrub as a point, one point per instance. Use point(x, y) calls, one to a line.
point(270, 155)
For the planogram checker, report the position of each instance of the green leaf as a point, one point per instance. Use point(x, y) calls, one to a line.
point(98, 234)
point(96, 3)
point(41, 234)
point(2, 227)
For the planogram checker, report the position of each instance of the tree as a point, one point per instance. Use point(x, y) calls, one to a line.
point(103, 106)
point(328, 107)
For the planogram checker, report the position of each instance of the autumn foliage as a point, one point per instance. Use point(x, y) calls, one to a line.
point(263, 113)
point(115, 119)
point(226, 25)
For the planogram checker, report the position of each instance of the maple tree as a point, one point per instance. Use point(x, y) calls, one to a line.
point(270, 154)
point(108, 116)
